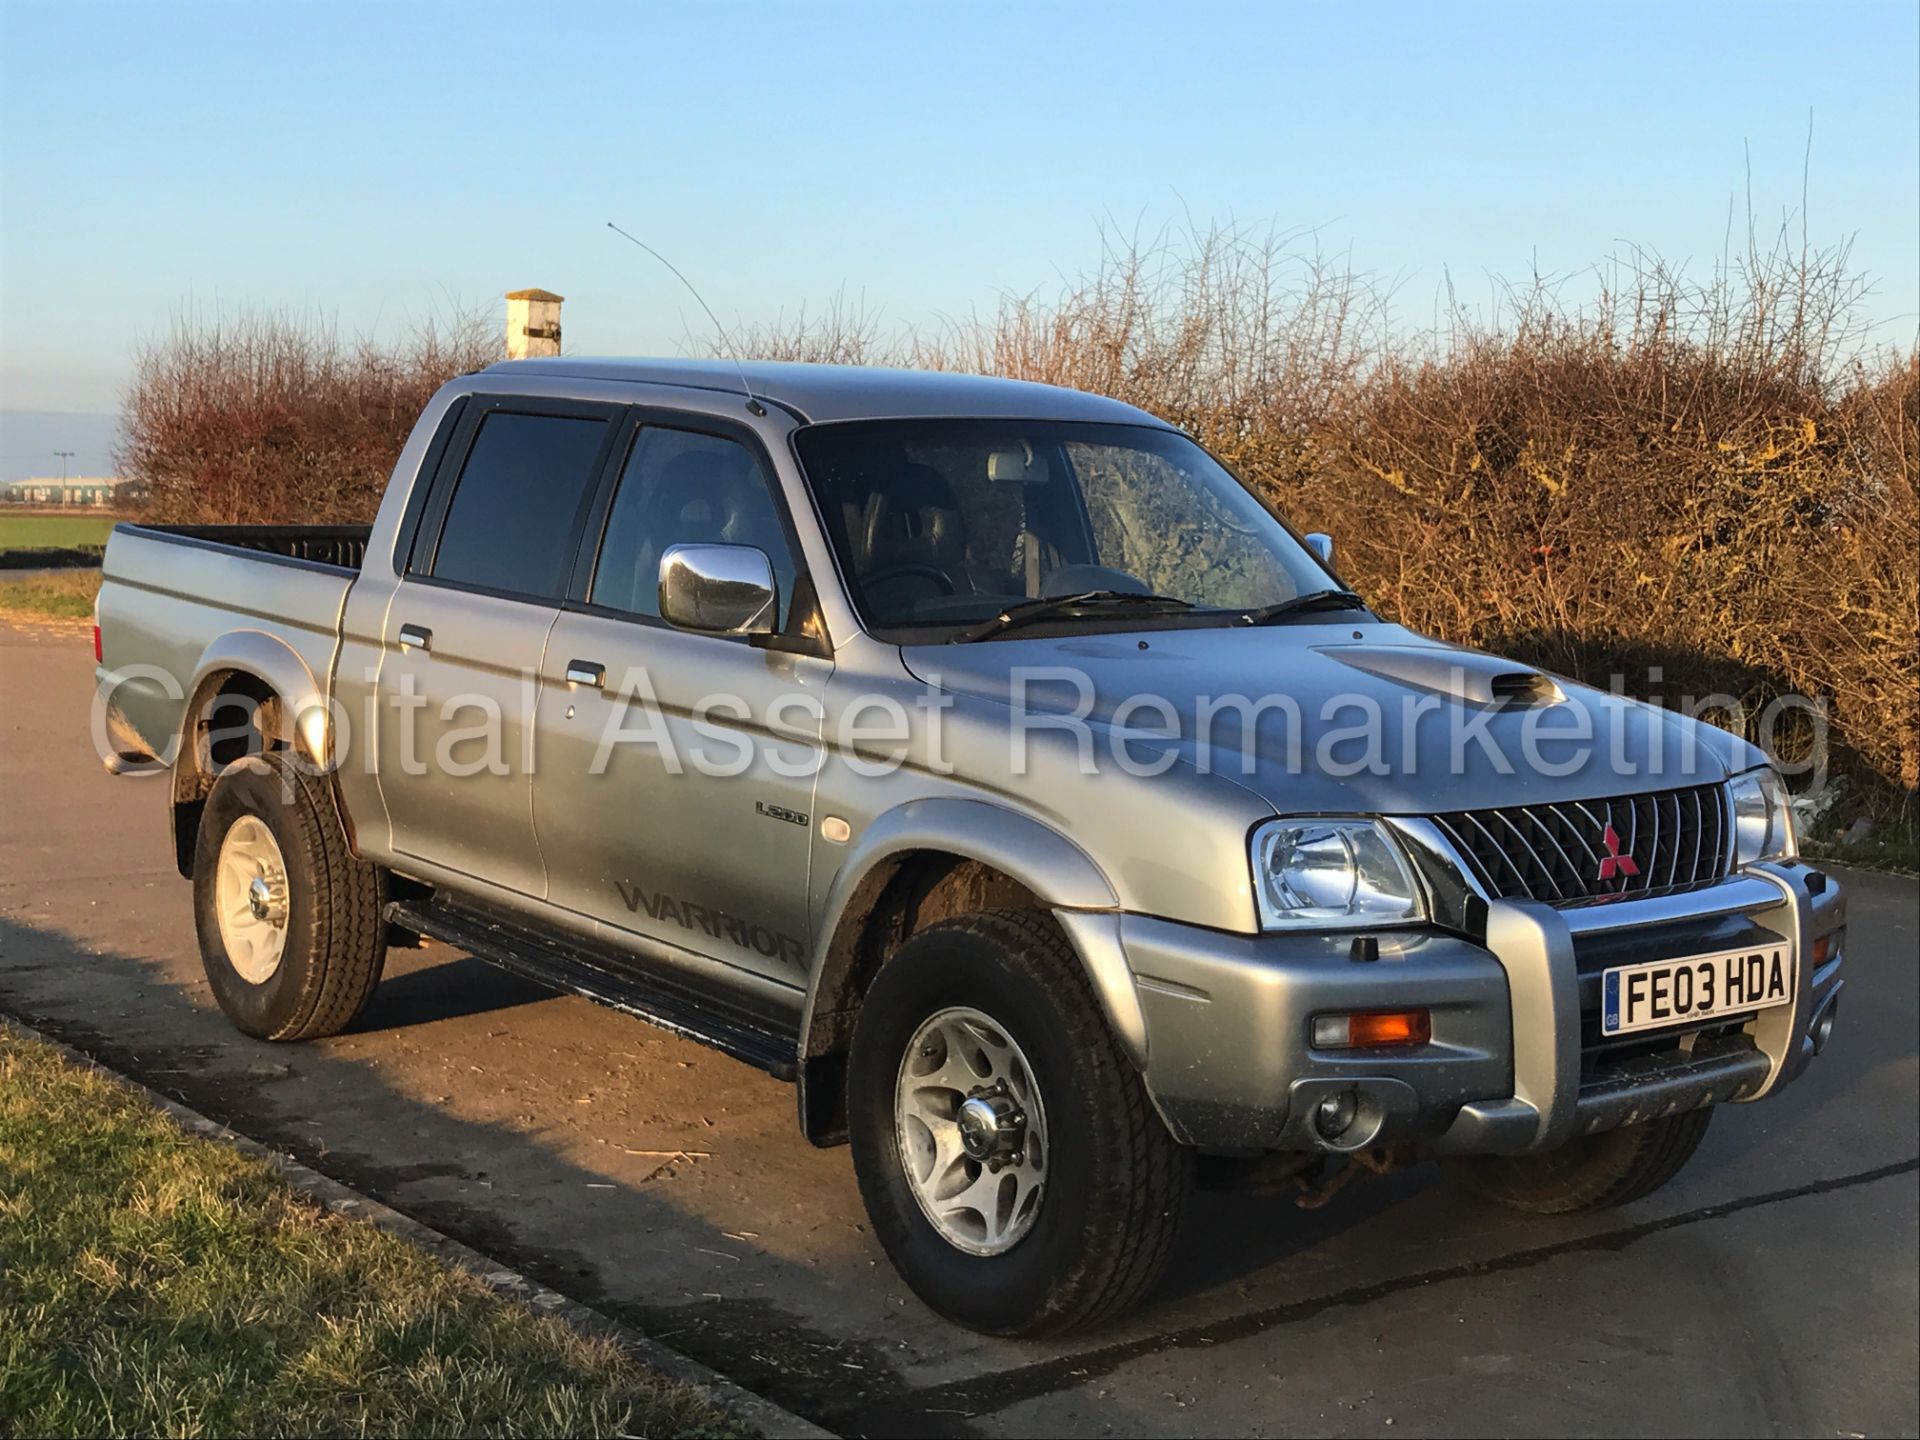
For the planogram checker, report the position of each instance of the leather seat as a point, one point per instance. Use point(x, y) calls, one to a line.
point(913, 541)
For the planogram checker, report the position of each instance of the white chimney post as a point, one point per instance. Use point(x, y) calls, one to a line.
point(533, 323)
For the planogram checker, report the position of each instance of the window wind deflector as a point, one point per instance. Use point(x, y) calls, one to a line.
point(1089, 604)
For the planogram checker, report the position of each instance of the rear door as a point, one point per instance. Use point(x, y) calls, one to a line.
point(467, 628)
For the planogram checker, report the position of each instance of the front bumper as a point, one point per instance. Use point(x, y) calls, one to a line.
point(1516, 1062)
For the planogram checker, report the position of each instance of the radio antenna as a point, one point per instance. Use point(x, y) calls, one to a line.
point(753, 405)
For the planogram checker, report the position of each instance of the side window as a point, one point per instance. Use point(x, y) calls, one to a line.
point(684, 488)
point(510, 523)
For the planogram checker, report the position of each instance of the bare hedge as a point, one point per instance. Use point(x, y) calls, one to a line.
point(1702, 487)
point(267, 418)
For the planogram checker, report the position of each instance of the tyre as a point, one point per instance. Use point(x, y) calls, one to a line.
point(1594, 1172)
point(290, 923)
point(1009, 1159)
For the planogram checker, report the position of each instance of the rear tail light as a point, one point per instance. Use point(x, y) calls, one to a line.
point(1372, 1028)
point(98, 658)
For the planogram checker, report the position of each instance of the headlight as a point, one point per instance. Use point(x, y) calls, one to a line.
point(1331, 874)
point(1762, 819)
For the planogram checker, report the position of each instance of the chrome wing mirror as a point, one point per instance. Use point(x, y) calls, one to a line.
point(718, 589)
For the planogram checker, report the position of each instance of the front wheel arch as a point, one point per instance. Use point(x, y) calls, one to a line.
point(897, 898)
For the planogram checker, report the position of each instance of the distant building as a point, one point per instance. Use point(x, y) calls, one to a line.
point(93, 491)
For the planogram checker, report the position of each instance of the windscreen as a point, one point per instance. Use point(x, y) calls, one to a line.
point(946, 522)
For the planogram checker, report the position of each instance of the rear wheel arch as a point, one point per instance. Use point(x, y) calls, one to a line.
point(234, 710)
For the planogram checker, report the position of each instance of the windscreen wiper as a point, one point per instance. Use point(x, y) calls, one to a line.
point(1312, 600)
point(1087, 603)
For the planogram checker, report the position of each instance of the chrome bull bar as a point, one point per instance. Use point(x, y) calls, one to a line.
point(1534, 944)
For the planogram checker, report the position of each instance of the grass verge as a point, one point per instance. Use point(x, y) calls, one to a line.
point(1894, 847)
point(54, 532)
point(61, 595)
point(152, 1282)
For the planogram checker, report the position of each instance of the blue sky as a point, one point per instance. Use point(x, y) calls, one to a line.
point(375, 163)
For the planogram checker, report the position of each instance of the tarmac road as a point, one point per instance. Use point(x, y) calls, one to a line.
point(1770, 1290)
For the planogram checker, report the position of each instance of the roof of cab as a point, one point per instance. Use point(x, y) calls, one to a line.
point(823, 393)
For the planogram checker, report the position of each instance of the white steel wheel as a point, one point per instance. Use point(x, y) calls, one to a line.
point(250, 899)
point(972, 1131)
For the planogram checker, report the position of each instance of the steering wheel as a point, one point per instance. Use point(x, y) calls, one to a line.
point(912, 567)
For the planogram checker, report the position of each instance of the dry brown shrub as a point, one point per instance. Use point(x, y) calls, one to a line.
point(271, 418)
point(841, 334)
point(1247, 339)
point(1699, 487)
point(1689, 487)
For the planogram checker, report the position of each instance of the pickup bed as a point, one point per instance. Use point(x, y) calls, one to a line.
point(163, 582)
point(990, 762)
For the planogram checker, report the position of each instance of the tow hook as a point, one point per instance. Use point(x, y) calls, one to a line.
point(1333, 1176)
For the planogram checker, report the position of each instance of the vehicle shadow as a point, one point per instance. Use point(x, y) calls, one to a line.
point(459, 986)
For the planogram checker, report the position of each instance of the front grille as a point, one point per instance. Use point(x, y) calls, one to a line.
point(1559, 853)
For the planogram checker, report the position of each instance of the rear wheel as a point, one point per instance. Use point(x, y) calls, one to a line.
point(1594, 1172)
point(1010, 1161)
point(290, 923)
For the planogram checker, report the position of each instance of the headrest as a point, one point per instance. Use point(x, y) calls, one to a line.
point(701, 497)
point(914, 517)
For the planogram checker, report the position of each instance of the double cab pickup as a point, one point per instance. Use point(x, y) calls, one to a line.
point(987, 760)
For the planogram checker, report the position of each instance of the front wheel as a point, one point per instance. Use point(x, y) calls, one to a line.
point(1594, 1172)
point(1009, 1158)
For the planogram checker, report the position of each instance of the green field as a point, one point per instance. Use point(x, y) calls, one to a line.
point(53, 532)
point(155, 1283)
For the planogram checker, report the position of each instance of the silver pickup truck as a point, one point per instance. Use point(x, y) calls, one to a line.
point(987, 760)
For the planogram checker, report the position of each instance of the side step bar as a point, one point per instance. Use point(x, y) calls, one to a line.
point(608, 977)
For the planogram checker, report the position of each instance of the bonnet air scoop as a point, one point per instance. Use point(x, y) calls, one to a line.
point(1525, 687)
point(1462, 674)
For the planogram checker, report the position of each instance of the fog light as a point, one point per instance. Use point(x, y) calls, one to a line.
point(1334, 1114)
point(1377, 1027)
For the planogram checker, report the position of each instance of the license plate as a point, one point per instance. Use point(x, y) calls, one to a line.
point(1660, 993)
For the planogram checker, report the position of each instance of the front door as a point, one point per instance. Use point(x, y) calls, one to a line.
point(674, 796)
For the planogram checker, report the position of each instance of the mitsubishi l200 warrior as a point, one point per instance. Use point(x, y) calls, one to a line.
point(988, 761)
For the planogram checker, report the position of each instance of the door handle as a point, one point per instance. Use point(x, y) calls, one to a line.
point(416, 637)
point(586, 672)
